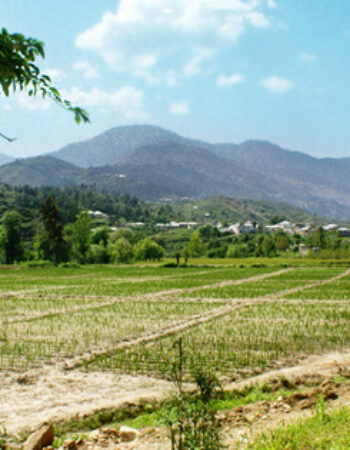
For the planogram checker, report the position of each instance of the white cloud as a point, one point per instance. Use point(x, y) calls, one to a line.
point(6, 106)
point(230, 80)
point(194, 66)
point(277, 85)
point(180, 108)
point(307, 57)
point(171, 78)
point(32, 103)
point(127, 100)
point(258, 19)
point(141, 33)
point(271, 4)
point(88, 70)
point(56, 75)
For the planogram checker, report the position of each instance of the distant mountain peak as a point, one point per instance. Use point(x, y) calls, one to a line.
point(5, 159)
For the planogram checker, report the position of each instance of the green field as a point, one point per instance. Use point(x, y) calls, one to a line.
point(238, 319)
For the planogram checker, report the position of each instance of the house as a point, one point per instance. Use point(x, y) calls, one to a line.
point(98, 215)
point(135, 224)
point(305, 229)
point(330, 227)
point(248, 227)
point(285, 226)
point(305, 249)
point(237, 228)
point(174, 225)
point(233, 229)
point(344, 232)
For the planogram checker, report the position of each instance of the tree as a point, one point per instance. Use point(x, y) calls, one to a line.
point(11, 241)
point(195, 246)
point(18, 71)
point(50, 238)
point(177, 257)
point(224, 223)
point(101, 236)
point(148, 250)
point(282, 242)
point(319, 238)
point(268, 246)
point(276, 219)
point(82, 236)
point(121, 251)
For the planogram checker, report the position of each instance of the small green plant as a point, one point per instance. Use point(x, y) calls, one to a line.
point(190, 416)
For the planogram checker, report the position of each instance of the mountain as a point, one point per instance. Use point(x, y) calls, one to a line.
point(115, 145)
point(40, 171)
point(153, 163)
point(5, 159)
point(278, 162)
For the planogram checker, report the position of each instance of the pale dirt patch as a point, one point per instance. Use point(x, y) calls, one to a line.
point(326, 365)
point(51, 394)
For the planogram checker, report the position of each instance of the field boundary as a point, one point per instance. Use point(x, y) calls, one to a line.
point(311, 285)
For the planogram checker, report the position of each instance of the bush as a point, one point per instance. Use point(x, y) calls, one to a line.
point(69, 265)
point(190, 416)
point(38, 263)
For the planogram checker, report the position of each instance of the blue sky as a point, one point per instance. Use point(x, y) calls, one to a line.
point(218, 70)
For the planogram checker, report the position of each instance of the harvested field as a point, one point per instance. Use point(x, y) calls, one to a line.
point(114, 324)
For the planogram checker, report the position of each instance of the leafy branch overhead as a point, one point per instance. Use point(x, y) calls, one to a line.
point(18, 71)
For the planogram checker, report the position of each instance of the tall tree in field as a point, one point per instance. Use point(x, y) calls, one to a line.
point(82, 236)
point(11, 241)
point(51, 240)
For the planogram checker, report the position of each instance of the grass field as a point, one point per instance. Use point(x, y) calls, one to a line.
point(238, 319)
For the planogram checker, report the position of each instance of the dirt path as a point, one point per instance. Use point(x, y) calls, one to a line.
point(326, 365)
point(311, 285)
point(113, 300)
point(149, 336)
point(219, 285)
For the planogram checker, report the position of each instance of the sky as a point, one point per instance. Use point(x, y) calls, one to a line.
point(216, 70)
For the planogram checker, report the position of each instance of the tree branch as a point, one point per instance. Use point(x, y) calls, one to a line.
point(7, 138)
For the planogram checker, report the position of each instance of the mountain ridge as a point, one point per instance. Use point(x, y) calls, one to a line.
point(153, 163)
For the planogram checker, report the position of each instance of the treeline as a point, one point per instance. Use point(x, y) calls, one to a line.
point(208, 242)
point(26, 201)
point(45, 224)
point(75, 241)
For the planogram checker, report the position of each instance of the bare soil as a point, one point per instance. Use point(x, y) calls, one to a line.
point(50, 394)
